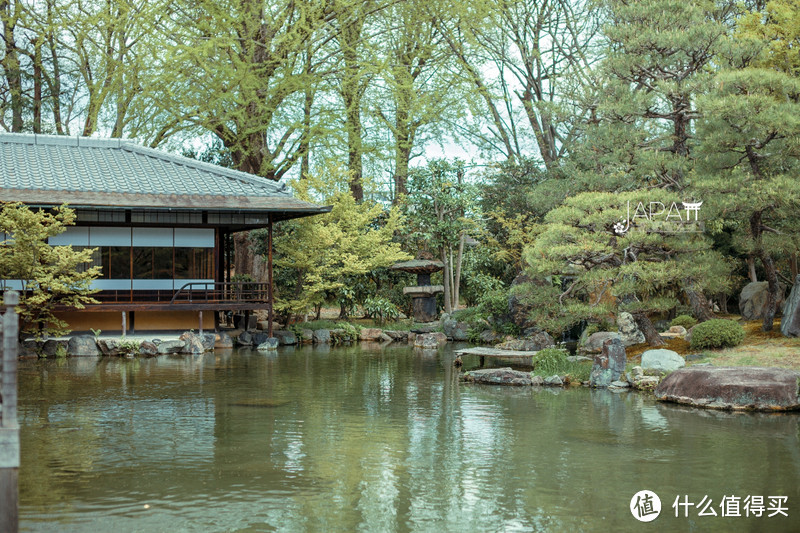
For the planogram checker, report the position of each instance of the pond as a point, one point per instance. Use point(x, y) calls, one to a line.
point(370, 438)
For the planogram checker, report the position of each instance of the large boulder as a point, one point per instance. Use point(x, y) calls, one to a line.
point(753, 299)
point(52, 347)
point(594, 344)
point(533, 343)
point(321, 336)
point(209, 339)
point(223, 340)
point(790, 322)
point(260, 337)
point(738, 388)
point(370, 334)
point(609, 364)
point(430, 340)
point(244, 339)
point(285, 337)
point(109, 347)
point(455, 330)
point(629, 332)
point(82, 346)
point(498, 376)
point(192, 343)
point(268, 345)
point(167, 347)
point(662, 360)
point(401, 336)
point(148, 349)
point(674, 332)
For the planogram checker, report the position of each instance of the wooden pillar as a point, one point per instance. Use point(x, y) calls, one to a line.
point(9, 429)
point(269, 274)
point(200, 314)
point(124, 323)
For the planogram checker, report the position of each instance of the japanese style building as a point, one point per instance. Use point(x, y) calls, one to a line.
point(161, 225)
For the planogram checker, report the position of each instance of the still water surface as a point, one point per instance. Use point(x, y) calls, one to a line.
point(373, 439)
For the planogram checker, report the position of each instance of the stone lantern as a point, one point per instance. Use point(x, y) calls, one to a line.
point(423, 294)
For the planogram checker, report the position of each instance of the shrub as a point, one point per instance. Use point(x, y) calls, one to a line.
point(717, 333)
point(494, 304)
point(590, 330)
point(474, 335)
point(683, 320)
point(381, 308)
point(552, 361)
point(345, 332)
point(129, 346)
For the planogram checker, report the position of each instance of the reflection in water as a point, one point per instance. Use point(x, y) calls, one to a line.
point(371, 439)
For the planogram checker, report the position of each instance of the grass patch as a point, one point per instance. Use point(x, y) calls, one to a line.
point(553, 361)
point(399, 325)
point(759, 348)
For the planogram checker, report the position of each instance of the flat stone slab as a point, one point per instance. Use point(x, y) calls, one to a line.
point(495, 352)
point(736, 388)
point(498, 376)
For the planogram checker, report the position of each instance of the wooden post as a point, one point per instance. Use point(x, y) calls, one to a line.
point(269, 273)
point(9, 430)
point(201, 322)
point(124, 323)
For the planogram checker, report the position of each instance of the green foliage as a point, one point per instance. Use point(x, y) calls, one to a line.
point(61, 351)
point(717, 333)
point(382, 309)
point(590, 330)
point(326, 255)
point(474, 334)
point(442, 211)
point(345, 332)
point(96, 333)
point(494, 304)
point(593, 271)
point(516, 196)
point(750, 132)
point(297, 329)
point(129, 346)
point(683, 320)
point(51, 275)
point(317, 324)
point(553, 361)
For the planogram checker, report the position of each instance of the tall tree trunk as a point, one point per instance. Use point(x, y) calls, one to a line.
point(402, 153)
point(37, 86)
point(351, 88)
point(701, 307)
point(10, 62)
point(751, 268)
point(446, 275)
point(54, 80)
point(646, 327)
point(457, 276)
point(770, 272)
point(308, 103)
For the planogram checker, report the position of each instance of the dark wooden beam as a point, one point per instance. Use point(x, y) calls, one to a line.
point(270, 294)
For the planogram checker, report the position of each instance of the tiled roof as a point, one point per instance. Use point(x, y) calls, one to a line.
point(115, 172)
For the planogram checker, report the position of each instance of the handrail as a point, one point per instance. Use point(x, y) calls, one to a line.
point(239, 291)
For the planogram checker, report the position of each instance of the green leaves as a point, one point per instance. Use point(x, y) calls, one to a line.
point(50, 275)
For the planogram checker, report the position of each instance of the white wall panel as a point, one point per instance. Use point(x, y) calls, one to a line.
point(194, 238)
point(161, 237)
point(76, 236)
point(152, 284)
point(109, 236)
point(112, 284)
